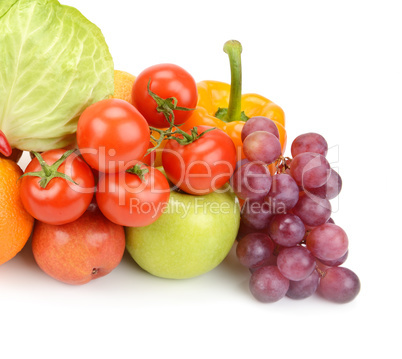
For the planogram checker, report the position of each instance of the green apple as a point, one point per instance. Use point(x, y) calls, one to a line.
point(192, 236)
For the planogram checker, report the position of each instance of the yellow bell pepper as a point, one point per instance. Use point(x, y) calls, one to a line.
point(223, 106)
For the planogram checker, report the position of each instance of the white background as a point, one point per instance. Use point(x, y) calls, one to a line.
point(335, 68)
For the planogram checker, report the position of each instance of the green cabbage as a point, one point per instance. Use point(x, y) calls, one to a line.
point(53, 64)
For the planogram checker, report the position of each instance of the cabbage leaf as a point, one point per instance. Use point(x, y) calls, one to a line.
point(53, 64)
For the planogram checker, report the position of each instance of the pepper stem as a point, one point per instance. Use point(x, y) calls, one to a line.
point(5, 147)
point(233, 113)
point(233, 48)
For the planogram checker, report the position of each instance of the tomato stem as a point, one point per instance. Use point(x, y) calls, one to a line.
point(166, 106)
point(48, 172)
point(168, 134)
point(137, 170)
point(5, 147)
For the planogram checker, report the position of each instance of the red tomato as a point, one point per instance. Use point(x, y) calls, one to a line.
point(110, 134)
point(167, 81)
point(61, 201)
point(126, 199)
point(202, 166)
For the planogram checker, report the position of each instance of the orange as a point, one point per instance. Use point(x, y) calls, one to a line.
point(123, 84)
point(15, 222)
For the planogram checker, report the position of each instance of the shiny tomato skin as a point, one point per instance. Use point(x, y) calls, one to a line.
point(167, 80)
point(61, 201)
point(126, 199)
point(110, 134)
point(202, 166)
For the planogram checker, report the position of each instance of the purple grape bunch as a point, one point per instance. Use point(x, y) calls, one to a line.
point(287, 237)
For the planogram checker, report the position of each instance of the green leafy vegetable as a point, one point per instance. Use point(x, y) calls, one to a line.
point(53, 64)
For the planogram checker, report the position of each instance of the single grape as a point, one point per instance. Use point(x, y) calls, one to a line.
point(334, 185)
point(251, 181)
point(256, 214)
point(259, 123)
point(327, 242)
point(241, 162)
point(330, 189)
point(309, 228)
point(268, 285)
point(296, 263)
point(244, 229)
point(286, 229)
point(312, 210)
point(271, 261)
point(284, 193)
point(309, 142)
point(310, 170)
point(254, 250)
point(262, 146)
point(304, 288)
point(339, 284)
point(335, 262)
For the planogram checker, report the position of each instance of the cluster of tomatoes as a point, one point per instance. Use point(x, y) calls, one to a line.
point(115, 149)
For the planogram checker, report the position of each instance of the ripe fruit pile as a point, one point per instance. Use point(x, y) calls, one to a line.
point(287, 238)
point(181, 220)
